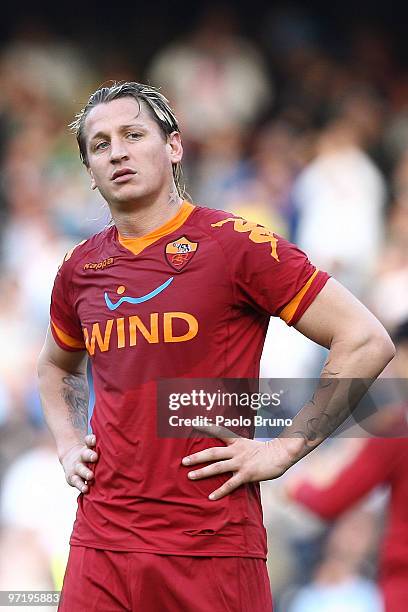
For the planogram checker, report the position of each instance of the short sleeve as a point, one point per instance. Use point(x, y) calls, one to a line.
point(268, 272)
point(65, 325)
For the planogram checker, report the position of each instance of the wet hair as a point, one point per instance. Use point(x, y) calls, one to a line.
point(155, 102)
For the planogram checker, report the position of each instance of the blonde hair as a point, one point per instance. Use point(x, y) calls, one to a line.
point(155, 101)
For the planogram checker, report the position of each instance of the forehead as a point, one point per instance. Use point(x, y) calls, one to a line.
point(109, 116)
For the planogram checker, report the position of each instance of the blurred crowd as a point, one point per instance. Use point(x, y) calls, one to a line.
point(277, 128)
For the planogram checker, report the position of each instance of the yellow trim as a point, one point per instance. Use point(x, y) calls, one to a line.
point(290, 309)
point(136, 245)
point(68, 340)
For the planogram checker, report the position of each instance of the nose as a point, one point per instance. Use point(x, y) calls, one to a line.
point(118, 150)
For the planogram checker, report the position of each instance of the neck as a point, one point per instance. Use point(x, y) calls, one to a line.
point(147, 216)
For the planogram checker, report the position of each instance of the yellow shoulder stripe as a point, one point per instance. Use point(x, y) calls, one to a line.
point(290, 309)
point(66, 339)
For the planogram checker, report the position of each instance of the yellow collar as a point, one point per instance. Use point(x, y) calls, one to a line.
point(136, 245)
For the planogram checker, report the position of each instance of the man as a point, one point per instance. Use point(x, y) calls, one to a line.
point(173, 290)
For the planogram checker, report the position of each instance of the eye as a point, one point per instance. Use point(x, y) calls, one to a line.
point(101, 145)
point(134, 135)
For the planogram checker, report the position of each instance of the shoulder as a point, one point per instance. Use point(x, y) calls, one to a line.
point(82, 251)
point(208, 220)
point(206, 216)
point(213, 220)
point(237, 234)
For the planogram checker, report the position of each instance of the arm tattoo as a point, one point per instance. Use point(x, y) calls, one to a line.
point(75, 395)
point(319, 426)
point(326, 371)
point(332, 403)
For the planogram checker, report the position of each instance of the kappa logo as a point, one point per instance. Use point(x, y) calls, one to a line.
point(256, 233)
point(100, 265)
point(180, 251)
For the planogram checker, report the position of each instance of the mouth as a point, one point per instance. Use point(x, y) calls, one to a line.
point(123, 174)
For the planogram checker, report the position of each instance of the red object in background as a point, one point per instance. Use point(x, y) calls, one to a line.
point(381, 461)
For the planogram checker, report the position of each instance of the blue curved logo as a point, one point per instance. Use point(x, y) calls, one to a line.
point(138, 300)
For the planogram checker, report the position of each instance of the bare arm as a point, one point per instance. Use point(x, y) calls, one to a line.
point(360, 348)
point(64, 396)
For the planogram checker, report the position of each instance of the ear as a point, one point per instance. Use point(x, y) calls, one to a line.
point(93, 184)
point(176, 148)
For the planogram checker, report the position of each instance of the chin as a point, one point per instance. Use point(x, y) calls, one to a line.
point(127, 197)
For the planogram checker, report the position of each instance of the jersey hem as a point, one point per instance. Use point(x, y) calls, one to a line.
point(184, 553)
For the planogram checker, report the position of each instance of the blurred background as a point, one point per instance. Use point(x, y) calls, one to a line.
point(295, 117)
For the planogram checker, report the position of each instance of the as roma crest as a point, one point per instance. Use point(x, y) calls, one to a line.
point(180, 251)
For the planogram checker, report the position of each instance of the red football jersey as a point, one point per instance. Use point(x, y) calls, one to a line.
point(192, 299)
point(380, 461)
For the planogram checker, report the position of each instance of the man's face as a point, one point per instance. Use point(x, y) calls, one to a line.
point(129, 158)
